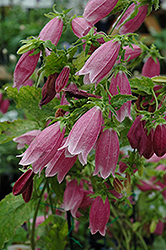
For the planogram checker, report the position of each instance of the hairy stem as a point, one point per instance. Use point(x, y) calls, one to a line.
point(34, 219)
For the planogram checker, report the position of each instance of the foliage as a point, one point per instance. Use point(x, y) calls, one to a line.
point(128, 179)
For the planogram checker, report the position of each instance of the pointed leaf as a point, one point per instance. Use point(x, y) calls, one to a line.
point(10, 130)
point(13, 213)
point(28, 98)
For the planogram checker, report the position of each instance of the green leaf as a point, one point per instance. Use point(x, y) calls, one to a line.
point(28, 98)
point(118, 100)
point(80, 60)
point(53, 237)
point(57, 188)
point(159, 79)
point(10, 130)
point(71, 51)
point(13, 213)
point(144, 84)
point(55, 62)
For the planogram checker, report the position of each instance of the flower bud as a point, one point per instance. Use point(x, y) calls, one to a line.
point(133, 24)
point(151, 68)
point(62, 79)
point(80, 27)
point(118, 186)
point(48, 90)
point(95, 10)
point(52, 30)
point(24, 185)
point(159, 140)
point(25, 68)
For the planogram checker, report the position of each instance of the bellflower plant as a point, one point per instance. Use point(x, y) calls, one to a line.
point(91, 136)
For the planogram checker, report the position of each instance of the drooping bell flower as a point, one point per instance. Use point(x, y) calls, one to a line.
point(122, 82)
point(52, 30)
point(100, 62)
point(149, 150)
point(60, 164)
point(139, 138)
point(80, 26)
point(159, 228)
point(147, 185)
point(159, 140)
point(131, 53)
point(83, 135)
point(25, 68)
point(48, 90)
point(133, 24)
point(107, 153)
point(26, 138)
point(151, 68)
point(24, 185)
point(4, 105)
point(99, 215)
point(95, 10)
point(73, 196)
point(43, 147)
point(62, 79)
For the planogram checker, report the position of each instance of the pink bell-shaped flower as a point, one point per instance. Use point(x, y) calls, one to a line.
point(4, 105)
point(25, 68)
point(60, 164)
point(107, 153)
point(122, 82)
point(100, 62)
point(133, 24)
point(24, 185)
point(131, 53)
point(83, 135)
point(95, 10)
point(159, 140)
point(139, 139)
point(99, 215)
point(26, 138)
point(151, 68)
point(43, 147)
point(73, 196)
point(80, 26)
point(52, 30)
point(159, 228)
point(62, 79)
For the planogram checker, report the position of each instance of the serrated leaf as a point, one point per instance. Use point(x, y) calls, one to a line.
point(144, 84)
point(28, 98)
point(71, 51)
point(50, 45)
point(118, 100)
point(10, 130)
point(80, 60)
point(55, 62)
point(13, 213)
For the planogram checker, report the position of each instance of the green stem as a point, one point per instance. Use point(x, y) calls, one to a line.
point(34, 219)
point(49, 197)
point(106, 86)
point(156, 101)
point(138, 235)
point(119, 18)
point(121, 226)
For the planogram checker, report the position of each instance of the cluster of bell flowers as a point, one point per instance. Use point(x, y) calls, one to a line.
point(49, 149)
